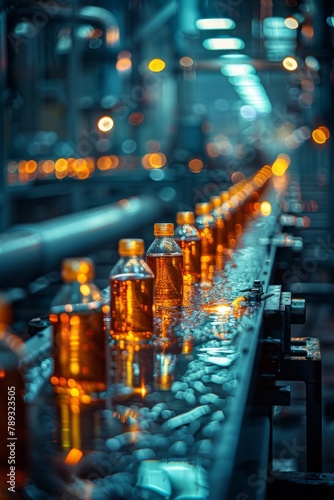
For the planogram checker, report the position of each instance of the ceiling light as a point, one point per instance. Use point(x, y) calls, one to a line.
point(237, 69)
point(290, 63)
point(223, 43)
point(244, 80)
point(215, 24)
point(291, 23)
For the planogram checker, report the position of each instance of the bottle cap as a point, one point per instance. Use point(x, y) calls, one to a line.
point(131, 247)
point(202, 208)
point(185, 217)
point(164, 229)
point(77, 269)
point(215, 201)
point(224, 196)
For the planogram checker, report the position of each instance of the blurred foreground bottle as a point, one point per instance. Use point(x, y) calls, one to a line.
point(79, 339)
point(206, 225)
point(131, 293)
point(13, 417)
point(189, 240)
point(80, 352)
point(165, 258)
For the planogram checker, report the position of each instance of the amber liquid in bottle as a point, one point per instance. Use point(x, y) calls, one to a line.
point(220, 236)
point(131, 302)
point(207, 254)
point(79, 344)
point(191, 250)
point(168, 279)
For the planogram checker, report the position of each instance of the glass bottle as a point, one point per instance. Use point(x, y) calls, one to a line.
point(206, 225)
point(165, 258)
point(131, 293)
point(189, 240)
point(79, 338)
point(220, 234)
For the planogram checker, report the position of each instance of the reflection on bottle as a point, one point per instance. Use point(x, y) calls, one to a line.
point(164, 366)
point(78, 421)
point(131, 369)
point(81, 345)
point(79, 337)
point(167, 347)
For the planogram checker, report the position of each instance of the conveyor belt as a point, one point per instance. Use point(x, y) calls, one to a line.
point(197, 420)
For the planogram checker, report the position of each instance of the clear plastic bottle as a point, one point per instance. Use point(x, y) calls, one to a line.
point(228, 210)
point(79, 338)
point(131, 294)
point(206, 226)
point(165, 258)
point(189, 240)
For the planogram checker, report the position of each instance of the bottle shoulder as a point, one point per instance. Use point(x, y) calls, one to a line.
point(75, 297)
point(164, 245)
point(186, 231)
point(206, 220)
point(131, 267)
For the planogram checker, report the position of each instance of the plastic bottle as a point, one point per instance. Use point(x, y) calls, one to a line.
point(79, 338)
point(189, 240)
point(131, 293)
point(165, 258)
point(220, 234)
point(236, 199)
point(228, 210)
point(206, 226)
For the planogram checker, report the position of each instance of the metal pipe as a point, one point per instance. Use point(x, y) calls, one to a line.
point(31, 250)
point(87, 14)
point(157, 22)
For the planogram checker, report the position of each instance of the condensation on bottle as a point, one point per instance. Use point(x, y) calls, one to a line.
point(189, 240)
point(131, 294)
point(79, 338)
point(165, 258)
point(206, 225)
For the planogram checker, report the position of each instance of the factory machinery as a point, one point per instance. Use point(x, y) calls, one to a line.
point(193, 418)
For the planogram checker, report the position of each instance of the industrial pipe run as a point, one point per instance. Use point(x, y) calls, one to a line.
point(30, 250)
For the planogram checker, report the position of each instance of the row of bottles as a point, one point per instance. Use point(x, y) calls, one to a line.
point(99, 339)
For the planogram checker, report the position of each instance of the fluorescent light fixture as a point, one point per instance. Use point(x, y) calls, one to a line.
point(223, 43)
point(245, 80)
point(237, 69)
point(215, 24)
